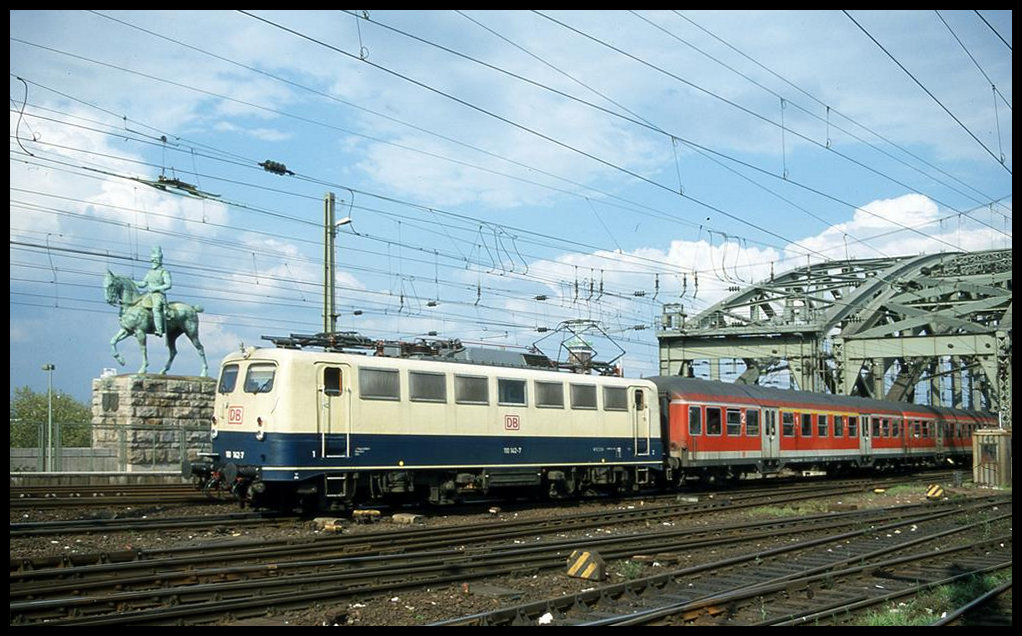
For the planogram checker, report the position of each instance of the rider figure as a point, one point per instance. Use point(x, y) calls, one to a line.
point(157, 280)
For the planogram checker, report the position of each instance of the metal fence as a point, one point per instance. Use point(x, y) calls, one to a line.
point(87, 447)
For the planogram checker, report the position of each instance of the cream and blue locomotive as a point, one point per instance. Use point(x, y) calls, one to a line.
point(332, 429)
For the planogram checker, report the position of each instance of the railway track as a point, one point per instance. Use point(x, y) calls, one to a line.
point(240, 579)
point(819, 581)
point(63, 496)
point(127, 524)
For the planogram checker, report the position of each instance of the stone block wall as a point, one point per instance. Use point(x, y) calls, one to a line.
point(155, 422)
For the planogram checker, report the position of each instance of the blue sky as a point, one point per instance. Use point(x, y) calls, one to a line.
point(603, 160)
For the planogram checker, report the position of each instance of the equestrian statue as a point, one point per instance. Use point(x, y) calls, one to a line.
point(150, 313)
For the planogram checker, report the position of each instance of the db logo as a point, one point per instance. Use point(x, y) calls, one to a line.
point(511, 423)
point(235, 414)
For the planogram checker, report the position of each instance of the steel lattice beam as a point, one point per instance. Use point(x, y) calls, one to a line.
point(874, 327)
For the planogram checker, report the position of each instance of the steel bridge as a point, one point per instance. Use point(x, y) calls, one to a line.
point(877, 328)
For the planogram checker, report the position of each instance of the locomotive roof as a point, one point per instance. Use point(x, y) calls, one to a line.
point(677, 385)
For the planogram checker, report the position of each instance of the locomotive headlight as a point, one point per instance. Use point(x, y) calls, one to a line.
point(213, 433)
point(260, 435)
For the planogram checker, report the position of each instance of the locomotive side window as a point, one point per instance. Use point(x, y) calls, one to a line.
point(511, 392)
point(259, 378)
point(807, 425)
point(471, 390)
point(583, 396)
point(427, 387)
point(752, 423)
point(549, 394)
point(821, 425)
point(788, 424)
point(379, 384)
point(332, 381)
point(839, 425)
point(734, 422)
point(853, 426)
point(695, 420)
point(713, 421)
point(615, 398)
point(228, 379)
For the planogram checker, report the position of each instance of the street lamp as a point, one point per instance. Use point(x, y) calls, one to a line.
point(49, 416)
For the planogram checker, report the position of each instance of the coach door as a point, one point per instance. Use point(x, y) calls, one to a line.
point(638, 399)
point(771, 440)
point(866, 435)
point(334, 416)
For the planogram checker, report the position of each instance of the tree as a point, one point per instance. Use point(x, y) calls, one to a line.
point(29, 416)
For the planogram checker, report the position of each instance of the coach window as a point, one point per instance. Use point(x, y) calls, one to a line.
point(853, 426)
point(895, 428)
point(695, 420)
point(228, 379)
point(379, 384)
point(583, 396)
point(788, 424)
point(876, 426)
point(734, 422)
point(752, 422)
point(839, 426)
point(821, 425)
point(807, 425)
point(427, 387)
point(885, 427)
point(332, 381)
point(259, 378)
point(549, 395)
point(471, 390)
point(713, 422)
point(615, 398)
point(511, 392)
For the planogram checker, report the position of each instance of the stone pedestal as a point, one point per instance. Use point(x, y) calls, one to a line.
point(155, 422)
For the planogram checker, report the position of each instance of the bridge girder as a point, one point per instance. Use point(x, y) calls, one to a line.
point(845, 326)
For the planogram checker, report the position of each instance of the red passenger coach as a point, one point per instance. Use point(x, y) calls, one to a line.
point(719, 430)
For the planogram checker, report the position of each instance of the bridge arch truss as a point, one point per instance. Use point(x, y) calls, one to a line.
point(878, 328)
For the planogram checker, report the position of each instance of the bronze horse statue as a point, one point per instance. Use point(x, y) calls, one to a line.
point(136, 318)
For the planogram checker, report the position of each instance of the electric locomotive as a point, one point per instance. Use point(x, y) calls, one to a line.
point(329, 429)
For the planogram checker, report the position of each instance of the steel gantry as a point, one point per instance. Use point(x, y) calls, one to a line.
point(876, 328)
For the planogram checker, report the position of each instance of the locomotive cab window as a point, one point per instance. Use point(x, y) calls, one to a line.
point(549, 395)
point(427, 387)
point(228, 379)
point(511, 392)
point(471, 390)
point(615, 398)
point(379, 384)
point(713, 421)
point(583, 396)
point(332, 381)
point(259, 378)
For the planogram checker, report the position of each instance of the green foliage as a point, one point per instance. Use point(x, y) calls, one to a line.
point(29, 417)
